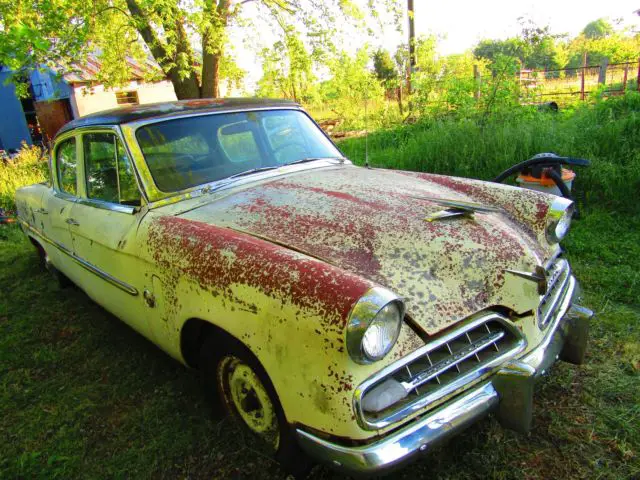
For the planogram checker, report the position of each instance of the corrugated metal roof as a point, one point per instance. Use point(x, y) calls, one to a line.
point(88, 70)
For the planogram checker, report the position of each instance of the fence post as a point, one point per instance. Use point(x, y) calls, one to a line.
point(584, 67)
point(478, 79)
point(626, 76)
point(638, 77)
point(602, 74)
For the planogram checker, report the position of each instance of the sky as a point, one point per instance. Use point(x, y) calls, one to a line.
point(465, 22)
point(462, 23)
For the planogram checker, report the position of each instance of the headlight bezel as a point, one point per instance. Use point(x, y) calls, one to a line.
point(559, 216)
point(362, 315)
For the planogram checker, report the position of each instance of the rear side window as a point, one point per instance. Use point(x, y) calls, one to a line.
point(109, 172)
point(66, 162)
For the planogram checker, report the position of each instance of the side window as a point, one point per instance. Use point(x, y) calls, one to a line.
point(66, 162)
point(238, 142)
point(109, 173)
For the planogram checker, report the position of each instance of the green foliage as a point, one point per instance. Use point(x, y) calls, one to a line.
point(606, 133)
point(351, 83)
point(598, 29)
point(287, 69)
point(28, 167)
point(385, 68)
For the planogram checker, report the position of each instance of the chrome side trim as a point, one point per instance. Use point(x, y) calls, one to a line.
point(464, 381)
point(88, 266)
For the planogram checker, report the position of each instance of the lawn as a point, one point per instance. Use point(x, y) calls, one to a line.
point(84, 396)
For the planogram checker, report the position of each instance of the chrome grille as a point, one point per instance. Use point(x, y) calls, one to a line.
point(557, 282)
point(444, 367)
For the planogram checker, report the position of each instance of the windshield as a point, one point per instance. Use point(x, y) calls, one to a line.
point(192, 151)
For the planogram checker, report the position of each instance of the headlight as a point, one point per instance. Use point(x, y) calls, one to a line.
point(559, 219)
point(374, 325)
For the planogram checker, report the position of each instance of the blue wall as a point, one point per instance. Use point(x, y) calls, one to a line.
point(47, 87)
point(13, 126)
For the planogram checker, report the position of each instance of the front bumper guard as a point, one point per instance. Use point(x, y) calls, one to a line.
point(509, 392)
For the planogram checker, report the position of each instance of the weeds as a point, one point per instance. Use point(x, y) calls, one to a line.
point(607, 133)
point(28, 167)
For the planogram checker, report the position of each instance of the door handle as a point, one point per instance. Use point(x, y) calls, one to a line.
point(42, 211)
point(71, 221)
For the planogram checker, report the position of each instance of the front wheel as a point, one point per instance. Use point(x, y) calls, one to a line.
point(246, 398)
point(249, 398)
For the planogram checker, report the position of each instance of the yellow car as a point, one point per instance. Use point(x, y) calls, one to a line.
point(348, 315)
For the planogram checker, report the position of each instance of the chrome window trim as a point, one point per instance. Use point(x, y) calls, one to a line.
point(55, 174)
point(114, 130)
point(226, 184)
point(160, 196)
point(82, 262)
point(113, 207)
point(462, 383)
point(78, 133)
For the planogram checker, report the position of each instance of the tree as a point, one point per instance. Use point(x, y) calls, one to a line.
point(535, 48)
point(34, 33)
point(384, 67)
point(598, 29)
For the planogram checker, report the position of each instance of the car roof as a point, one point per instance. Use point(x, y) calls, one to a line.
point(122, 115)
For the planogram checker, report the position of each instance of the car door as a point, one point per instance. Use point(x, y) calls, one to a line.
point(55, 224)
point(104, 221)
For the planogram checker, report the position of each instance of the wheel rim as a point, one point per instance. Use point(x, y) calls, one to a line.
point(248, 399)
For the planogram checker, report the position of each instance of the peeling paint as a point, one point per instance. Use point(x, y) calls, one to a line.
point(370, 223)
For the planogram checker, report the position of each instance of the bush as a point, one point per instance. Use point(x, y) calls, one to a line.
point(26, 168)
point(607, 133)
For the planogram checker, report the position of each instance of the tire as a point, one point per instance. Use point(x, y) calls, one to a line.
point(235, 381)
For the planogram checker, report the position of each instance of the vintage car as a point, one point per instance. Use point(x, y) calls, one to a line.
point(351, 315)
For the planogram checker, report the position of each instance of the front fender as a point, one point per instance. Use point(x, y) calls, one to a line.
point(289, 309)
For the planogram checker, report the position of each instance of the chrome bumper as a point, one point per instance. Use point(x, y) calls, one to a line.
point(509, 392)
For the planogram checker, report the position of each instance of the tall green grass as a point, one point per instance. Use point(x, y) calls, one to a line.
point(28, 167)
point(607, 133)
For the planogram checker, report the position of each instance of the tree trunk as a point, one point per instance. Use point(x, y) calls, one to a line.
point(210, 74)
point(212, 54)
point(185, 87)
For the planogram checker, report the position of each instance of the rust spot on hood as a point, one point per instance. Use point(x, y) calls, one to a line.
point(218, 258)
point(370, 223)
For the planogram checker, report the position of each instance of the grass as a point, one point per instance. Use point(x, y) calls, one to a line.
point(607, 133)
point(84, 396)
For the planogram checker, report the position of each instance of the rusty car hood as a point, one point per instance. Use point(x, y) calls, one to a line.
point(373, 223)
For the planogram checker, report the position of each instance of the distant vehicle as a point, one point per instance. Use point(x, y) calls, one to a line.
point(357, 315)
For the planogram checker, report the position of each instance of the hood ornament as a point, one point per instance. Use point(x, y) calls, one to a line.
point(539, 276)
point(456, 208)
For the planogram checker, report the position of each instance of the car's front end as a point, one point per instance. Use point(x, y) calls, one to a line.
point(484, 364)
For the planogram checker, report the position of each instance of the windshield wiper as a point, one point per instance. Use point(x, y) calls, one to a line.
point(226, 181)
point(313, 159)
point(253, 170)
